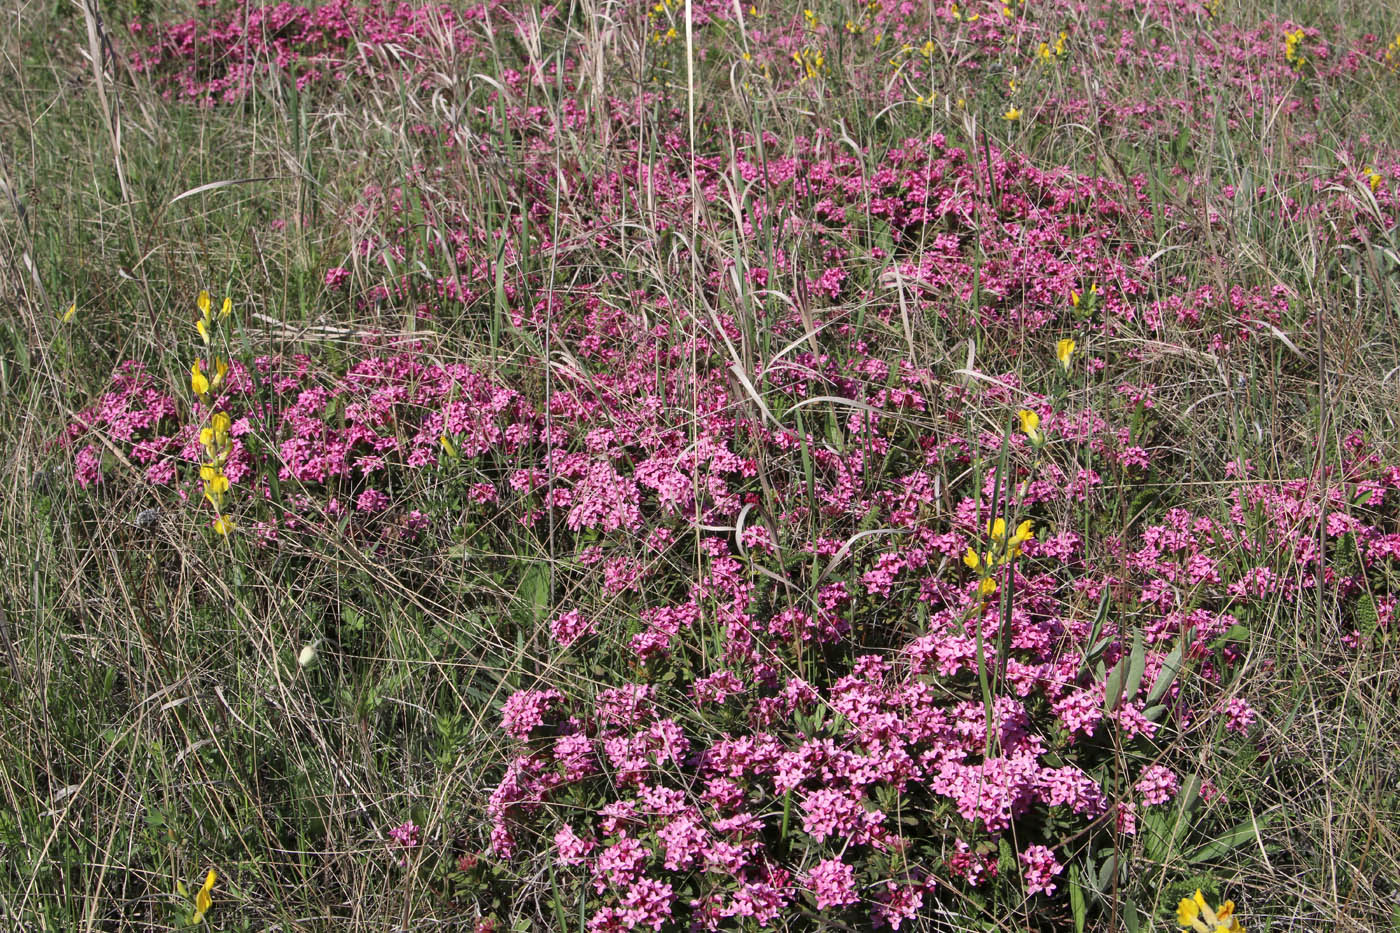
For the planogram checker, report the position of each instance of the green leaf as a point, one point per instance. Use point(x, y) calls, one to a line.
point(1242, 834)
point(1076, 899)
point(1131, 918)
point(1166, 676)
point(1137, 664)
point(534, 589)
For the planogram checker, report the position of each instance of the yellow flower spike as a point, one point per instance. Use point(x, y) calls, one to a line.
point(971, 559)
point(202, 899)
point(199, 383)
point(1064, 349)
point(73, 308)
point(203, 303)
point(220, 422)
point(218, 484)
point(202, 326)
point(207, 471)
point(1013, 114)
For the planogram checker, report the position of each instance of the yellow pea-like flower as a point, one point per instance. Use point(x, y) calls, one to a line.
point(1064, 349)
point(227, 307)
point(1030, 422)
point(202, 898)
point(198, 381)
point(1013, 114)
point(220, 423)
point(972, 560)
point(220, 371)
point(203, 303)
point(73, 308)
point(987, 587)
point(223, 525)
point(202, 326)
point(997, 529)
point(1193, 913)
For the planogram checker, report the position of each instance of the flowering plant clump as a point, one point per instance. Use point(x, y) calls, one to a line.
point(840, 532)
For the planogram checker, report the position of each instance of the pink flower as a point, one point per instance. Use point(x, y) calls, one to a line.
point(525, 711)
point(372, 500)
point(647, 904)
point(1241, 716)
point(1039, 869)
point(902, 902)
point(1157, 785)
point(570, 627)
point(572, 850)
point(832, 882)
point(407, 837)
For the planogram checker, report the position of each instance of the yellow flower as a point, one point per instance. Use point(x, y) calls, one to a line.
point(207, 472)
point(220, 371)
point(223, 525)
point(206, 440)
point(203, 302)
point(1023, 534)
point(1074, 297)
point(198, 381)
point(73, 308)
point(220, 423)
point(1030, 422)
point(202, 899)
point(1013, 114)
point(971, 559)
point(1064, 349)
point(987, 587)
point(227, 307)
point(997, 529)
point(202, 326)
point(1193, 913)
point(448, 446)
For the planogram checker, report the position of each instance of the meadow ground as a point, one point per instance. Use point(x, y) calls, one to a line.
point(663, 465)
